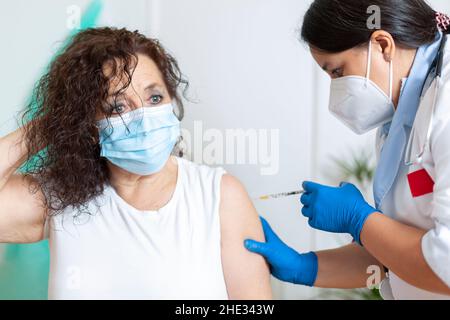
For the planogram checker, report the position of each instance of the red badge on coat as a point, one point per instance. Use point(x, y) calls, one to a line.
point(420, 183)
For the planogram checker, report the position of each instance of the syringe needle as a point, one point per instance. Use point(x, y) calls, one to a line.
point(280, 195)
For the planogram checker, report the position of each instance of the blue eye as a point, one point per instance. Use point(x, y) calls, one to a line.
point(156, 99)
point(118, 109)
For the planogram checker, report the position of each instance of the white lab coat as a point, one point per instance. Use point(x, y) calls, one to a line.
point(430, 212)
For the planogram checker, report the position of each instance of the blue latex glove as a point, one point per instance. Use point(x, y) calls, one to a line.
point(335, 209)
point(286, 264)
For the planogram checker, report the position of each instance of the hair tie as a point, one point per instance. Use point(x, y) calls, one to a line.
point(443, 21)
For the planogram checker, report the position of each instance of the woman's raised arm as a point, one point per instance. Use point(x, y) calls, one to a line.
point(22, 213)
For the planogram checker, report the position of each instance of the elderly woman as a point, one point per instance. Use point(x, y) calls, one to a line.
point(125, 217)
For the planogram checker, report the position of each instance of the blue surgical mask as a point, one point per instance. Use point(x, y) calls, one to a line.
point(142, 140)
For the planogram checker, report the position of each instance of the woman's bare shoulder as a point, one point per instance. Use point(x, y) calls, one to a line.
point(240, 221)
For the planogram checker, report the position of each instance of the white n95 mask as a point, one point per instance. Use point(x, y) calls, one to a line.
point(359, 103)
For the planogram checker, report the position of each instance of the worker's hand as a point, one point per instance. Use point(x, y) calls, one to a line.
point(335, 209)
point(285, 263)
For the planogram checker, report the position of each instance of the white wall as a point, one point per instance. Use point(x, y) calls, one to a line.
point(440, 5)
point(247, 70)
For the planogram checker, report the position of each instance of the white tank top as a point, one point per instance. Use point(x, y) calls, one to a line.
point(119, 252)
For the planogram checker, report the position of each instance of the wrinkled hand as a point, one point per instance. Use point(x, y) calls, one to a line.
point(335, 209)
point(286, 264)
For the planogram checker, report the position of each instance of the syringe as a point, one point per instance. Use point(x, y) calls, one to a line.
point(280, 195)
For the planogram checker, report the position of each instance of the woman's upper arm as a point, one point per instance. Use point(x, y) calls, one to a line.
point(22, 213)
point(246, 274)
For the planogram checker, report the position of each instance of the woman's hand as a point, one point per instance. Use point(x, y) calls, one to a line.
point(286, 264)
point(335, 209)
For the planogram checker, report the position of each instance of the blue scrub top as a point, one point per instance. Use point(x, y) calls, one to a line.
point(397, 131)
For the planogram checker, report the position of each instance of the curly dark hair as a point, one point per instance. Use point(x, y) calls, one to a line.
point(62, 139)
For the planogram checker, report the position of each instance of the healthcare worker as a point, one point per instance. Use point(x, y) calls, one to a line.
point(395, 78)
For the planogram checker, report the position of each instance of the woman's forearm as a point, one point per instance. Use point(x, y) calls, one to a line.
point(399, 247)
point(347, 268)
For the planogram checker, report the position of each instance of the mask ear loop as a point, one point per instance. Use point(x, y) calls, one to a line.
point(391, 71)
point(391, 80)
point(369, 62)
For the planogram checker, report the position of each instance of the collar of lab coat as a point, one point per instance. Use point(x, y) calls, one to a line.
point(398, 130)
